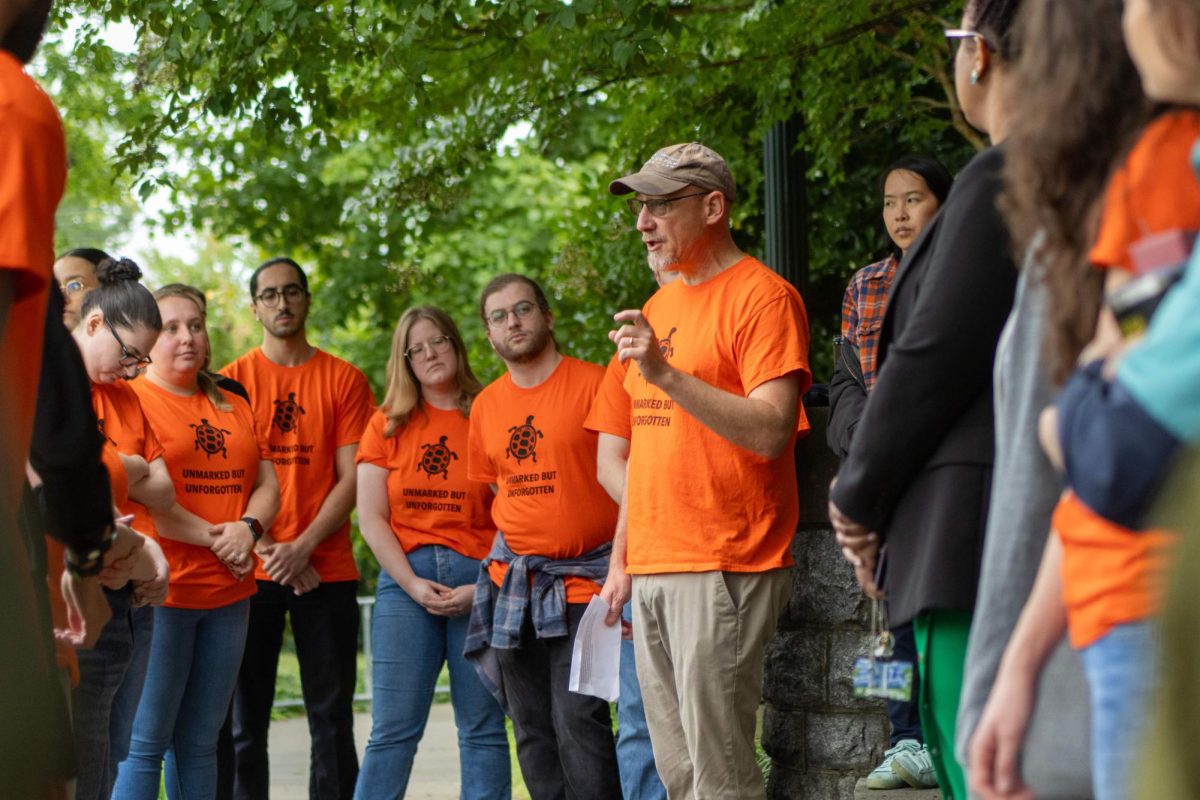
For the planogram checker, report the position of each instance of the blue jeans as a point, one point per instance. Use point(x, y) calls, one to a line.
point(129, 693)
point(635, 758)
point(410, 646)
point(194, 661)
point(1120, 669)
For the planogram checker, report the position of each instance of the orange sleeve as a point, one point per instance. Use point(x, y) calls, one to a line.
point(611, 406)
point(774, 343)
point(260, 436)
point(1154, 191)
point(20, 228)
point(479, 466)
point(152, 448)
point(355, 412)
point(118, 479)
point(1117, 230)
point(370, 446)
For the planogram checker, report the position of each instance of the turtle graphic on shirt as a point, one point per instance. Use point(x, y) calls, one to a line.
point(664, 345)
point(287, 413)
point(522, 441)
point(210, 438)
point(436, 458)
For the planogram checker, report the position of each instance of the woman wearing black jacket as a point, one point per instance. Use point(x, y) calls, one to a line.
point(918, 474)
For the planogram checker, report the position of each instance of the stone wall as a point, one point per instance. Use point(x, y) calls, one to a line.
point(820, 737)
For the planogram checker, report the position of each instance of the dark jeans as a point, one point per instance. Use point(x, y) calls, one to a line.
point(325, 629)
point(564, 740)
point(906, 716)
point(101, 672)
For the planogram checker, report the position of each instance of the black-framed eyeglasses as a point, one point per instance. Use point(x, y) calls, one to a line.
point(128, 359)
point(521, 310)
point(658, 206)
point(958, 34)
point(438, 344)
point(291, 293)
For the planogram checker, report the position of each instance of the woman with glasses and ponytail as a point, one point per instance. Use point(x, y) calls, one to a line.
point(428, 526)
point(117, 324)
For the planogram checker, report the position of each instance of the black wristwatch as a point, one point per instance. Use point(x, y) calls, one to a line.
point(90, 563)
point(256, 528)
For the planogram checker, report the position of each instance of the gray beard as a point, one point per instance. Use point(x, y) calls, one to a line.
point(661, 261)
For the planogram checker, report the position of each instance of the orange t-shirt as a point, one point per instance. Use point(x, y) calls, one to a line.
point(432, 500)
point(610, 410)
point(697, 502)
point(1154, 190)
point(308, 412)
point(532, 445)
point(1111, 575)
point(1109, 572)
point(33, 175)
point(118, 479)
point(125, 430)
point(213, 458)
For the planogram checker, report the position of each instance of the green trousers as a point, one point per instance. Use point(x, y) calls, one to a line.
point(942, 652)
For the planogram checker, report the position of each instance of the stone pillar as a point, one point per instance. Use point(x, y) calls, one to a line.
point(820, 737)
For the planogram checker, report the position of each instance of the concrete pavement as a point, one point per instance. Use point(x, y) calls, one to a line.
point(435, 774)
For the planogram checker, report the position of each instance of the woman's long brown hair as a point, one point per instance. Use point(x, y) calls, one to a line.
point(1077, 109)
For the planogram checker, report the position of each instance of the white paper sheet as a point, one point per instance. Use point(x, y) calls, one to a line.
point(596, 657)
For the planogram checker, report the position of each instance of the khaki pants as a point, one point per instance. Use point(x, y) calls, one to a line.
point(699, 640)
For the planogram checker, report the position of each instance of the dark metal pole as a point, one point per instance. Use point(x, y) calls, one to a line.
point(785, 203)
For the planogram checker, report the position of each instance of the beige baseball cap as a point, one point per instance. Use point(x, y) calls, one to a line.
point(674, 167)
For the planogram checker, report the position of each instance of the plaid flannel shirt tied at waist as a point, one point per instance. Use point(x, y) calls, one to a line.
point(497, 616)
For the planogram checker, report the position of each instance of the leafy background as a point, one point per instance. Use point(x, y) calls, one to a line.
point(407, 151)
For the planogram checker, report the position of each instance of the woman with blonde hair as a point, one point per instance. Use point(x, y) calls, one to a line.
point(428, 526)
point(227, 495)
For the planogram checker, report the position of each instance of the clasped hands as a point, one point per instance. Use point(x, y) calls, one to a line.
point(438, 599)
point(286, 563)
point(860, 546)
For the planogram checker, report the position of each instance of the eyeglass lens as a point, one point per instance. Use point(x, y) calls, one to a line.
point(520, 310)
point(437, 344)
point(291, 293)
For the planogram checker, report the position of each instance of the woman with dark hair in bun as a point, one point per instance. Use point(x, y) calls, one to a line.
point(117, 323)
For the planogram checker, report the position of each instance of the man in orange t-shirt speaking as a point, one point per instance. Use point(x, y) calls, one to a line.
point(710, 504)
point(314, 407)
point(555, 526)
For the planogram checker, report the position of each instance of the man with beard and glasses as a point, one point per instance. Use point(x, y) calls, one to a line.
point(719, 363)
point(314, 408)
point(555, 524)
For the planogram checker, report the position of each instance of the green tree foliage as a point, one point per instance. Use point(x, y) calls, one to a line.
point(362, 136)
point(98, 205)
